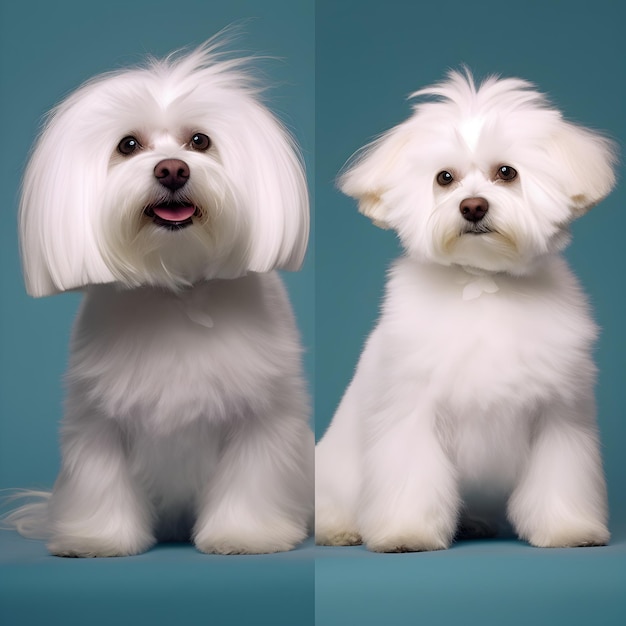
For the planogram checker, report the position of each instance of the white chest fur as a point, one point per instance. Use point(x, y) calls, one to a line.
point(483, 367)
point(522, 341)
point(163, 359)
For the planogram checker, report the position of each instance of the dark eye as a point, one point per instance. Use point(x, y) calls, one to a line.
point(128, 145)
point(506, 172)
point(444, 178)
point(200, 141)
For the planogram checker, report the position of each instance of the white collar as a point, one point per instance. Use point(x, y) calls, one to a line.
point(476, 282)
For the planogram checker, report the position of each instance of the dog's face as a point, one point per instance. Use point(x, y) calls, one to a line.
point(163, 175)
point(486, 178)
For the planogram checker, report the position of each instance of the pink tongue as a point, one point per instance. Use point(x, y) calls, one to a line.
point(171, 213)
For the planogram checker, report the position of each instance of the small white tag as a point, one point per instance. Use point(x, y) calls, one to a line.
point(476, 287)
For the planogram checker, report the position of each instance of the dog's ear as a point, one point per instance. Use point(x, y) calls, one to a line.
point(368, 175)
point(266, 170)
point(61, 191)
point(586, 164)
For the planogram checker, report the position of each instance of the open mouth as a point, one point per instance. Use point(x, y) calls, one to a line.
point(172, 215)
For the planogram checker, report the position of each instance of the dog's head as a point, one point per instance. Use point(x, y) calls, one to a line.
point(165, 174)
point(486, 177)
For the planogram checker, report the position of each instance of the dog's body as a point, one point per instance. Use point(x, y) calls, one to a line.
point(448, 406)
point(187, 413)
point(186, 416)
point(474, 394)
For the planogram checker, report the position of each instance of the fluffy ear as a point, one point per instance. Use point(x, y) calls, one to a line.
point(61, 189)
point(587, 161)
point(368, 175)
point(267, 173)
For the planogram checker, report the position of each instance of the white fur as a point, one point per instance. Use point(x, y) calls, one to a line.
point(186, 412)
point(81, 209)
point(474, 394)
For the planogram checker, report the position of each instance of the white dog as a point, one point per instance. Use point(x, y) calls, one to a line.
point(170, 193)
point(474, 394)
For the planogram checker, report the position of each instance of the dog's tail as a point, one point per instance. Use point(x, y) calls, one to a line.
point(30, 518)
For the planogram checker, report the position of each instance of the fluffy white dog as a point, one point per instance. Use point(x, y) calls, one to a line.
point(170, 192)
point(474, 393)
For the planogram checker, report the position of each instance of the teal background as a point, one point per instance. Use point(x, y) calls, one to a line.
point(367, 63)
point(369, 57)
point(342, 74)
point(46, 50)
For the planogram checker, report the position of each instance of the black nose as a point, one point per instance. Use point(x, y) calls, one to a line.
point(474, 209)
point(172, 173)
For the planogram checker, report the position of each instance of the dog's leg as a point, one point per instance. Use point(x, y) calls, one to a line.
point(410, 498)
point(561, 498)
point(337, 477)
point(95, 510)
point(260, 499)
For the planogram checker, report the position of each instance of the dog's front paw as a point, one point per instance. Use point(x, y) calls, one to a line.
point(404, 530)
point(73, 546)
point(249, 537)
point(562, 526)
point(243, 545)
point(571, 536)
point(337, 537)
point(407, 542)
point(412, 535)
point(335, 527)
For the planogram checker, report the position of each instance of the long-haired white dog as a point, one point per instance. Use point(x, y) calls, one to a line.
point(474, 394)
point(170, 192)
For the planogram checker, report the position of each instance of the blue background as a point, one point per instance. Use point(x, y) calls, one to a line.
point(344, 71)
point(47, 50)
point(368, 64)
point(369, 57)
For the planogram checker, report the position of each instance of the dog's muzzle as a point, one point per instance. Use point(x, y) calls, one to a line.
point(172, 174)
